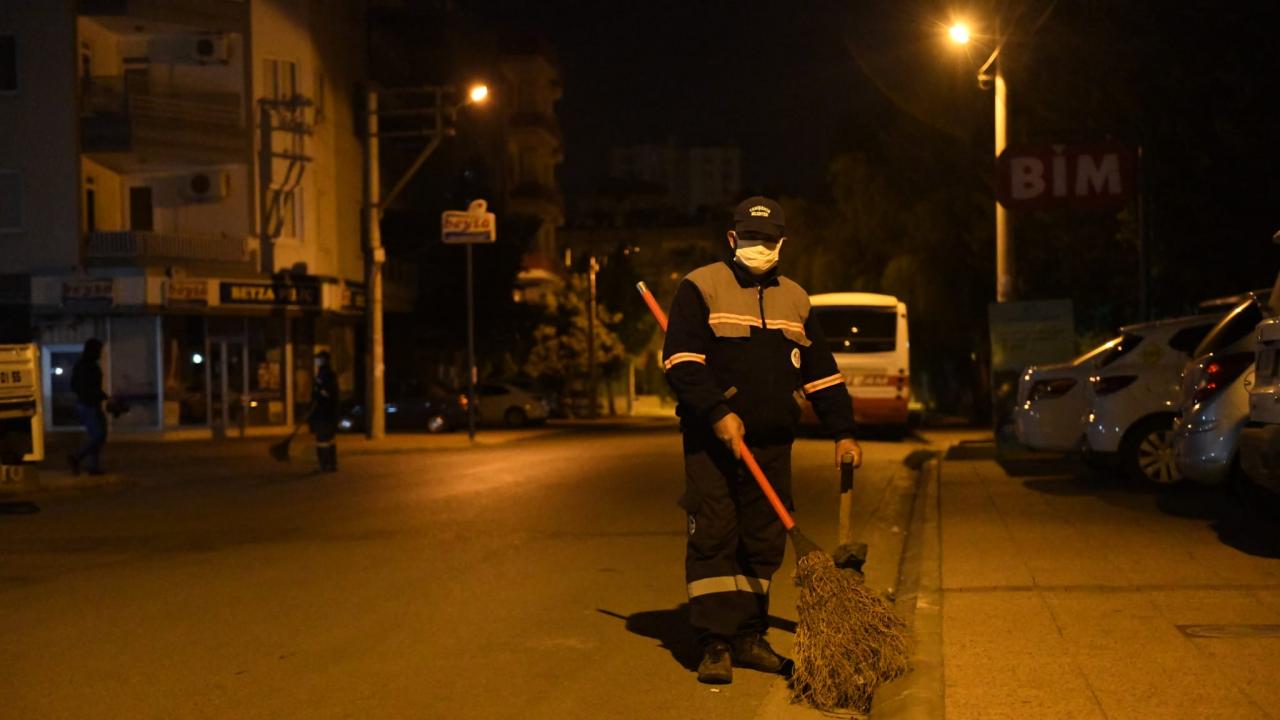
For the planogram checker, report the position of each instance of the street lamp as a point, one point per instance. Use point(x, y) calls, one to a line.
point(440, 105)
point(959, 34)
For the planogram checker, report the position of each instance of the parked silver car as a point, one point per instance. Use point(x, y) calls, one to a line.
point(1214, 402)
point(1260, 438)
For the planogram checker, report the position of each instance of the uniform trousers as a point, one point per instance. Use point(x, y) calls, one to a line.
point(735, 540)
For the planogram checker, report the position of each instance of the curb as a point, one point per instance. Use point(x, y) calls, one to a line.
point(919, 693)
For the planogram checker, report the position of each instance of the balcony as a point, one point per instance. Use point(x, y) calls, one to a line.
point(138, 247)
point(538, 200)
point(128, 127)
point(536, 123)
point(223, 15)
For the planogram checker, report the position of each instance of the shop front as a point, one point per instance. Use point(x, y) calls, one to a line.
point(208, 357)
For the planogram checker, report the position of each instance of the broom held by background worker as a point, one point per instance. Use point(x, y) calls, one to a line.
point(740, 342)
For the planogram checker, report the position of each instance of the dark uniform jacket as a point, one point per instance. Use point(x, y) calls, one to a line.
point(742, 343)
point(86, 382)
point(326, 397)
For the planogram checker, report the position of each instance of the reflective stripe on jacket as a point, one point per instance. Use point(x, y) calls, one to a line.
point(746, 344)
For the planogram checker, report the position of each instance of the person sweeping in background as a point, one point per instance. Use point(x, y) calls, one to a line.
point(740, 342)
point(324, 414)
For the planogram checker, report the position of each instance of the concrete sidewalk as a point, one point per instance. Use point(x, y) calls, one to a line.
point(1065, 595)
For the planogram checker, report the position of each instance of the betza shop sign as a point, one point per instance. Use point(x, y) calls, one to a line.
point(1057, 175)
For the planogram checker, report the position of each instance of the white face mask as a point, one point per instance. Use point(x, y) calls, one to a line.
point(757, 258)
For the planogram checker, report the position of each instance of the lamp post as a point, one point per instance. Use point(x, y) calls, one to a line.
point(959, 34)
point(426, 101)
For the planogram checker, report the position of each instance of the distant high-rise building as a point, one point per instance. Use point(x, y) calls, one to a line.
point(697, 179)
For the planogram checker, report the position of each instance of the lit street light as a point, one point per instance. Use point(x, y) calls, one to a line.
point(478, 93)
point(959, 33)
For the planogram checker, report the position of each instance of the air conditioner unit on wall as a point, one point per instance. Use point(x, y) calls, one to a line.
point(205, 186)
point(211, 48)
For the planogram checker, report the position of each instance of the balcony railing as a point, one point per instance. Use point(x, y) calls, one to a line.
point(202, 14)
point(143, 247)
point(120, 118)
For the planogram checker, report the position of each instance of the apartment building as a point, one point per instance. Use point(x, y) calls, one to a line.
point(182, 179)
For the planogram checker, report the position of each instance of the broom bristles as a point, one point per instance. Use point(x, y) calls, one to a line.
point(848, 640)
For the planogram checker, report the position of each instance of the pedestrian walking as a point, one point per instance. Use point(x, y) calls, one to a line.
point(324, 414)
point(86, 383)
point(740, 344)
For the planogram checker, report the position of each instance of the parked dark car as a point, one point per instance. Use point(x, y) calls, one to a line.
point(412, 407)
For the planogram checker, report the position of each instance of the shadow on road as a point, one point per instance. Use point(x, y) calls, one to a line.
point(671, 628)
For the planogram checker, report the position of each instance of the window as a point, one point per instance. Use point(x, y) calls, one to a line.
point(1186, 339)
point(858, 329)
point(10, 201)
point(279, 79)
point(141, 216)
point(8, 63)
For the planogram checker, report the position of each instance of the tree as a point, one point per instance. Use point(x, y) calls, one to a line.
point(559, 354)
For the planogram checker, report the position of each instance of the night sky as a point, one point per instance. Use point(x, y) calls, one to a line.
point(775, 78)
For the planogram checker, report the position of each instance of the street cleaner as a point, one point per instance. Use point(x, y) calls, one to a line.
point(324, 415)
point(740, 342)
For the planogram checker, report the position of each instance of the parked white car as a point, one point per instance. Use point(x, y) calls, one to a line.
point(1051, 402)
point(1214, 402)
point(1132, 397)
point(507, 404)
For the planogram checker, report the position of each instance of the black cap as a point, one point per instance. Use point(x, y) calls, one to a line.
point(759, 214)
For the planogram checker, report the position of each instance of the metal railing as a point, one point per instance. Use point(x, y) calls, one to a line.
point(111, 95)
point(140, 245)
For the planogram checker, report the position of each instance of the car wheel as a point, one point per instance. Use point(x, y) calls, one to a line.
point(515, 417)
point(436, 424)
point(1147, 452)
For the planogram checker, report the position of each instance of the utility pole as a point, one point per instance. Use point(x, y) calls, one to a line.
point(374, 204)
point(1004, 239)
point(375, 256)
point(592, 268)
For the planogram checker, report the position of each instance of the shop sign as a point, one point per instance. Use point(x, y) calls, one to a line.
point(353, 298)
point(186, 292)
point(95, 292)
point(470, 226)
point(278, 294)
point(1057, 175)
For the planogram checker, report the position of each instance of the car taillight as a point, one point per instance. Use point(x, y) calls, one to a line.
point(1112, 383)
point(1051, 388)
point(1220, 373)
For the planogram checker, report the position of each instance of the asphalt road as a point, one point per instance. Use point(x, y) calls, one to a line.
point(538, 579)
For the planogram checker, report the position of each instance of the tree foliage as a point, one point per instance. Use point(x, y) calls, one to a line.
point(559, 351)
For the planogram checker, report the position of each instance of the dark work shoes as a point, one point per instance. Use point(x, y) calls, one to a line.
point(716, 668)
point(751, 651)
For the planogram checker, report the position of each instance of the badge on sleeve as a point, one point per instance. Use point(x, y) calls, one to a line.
point(795, 357)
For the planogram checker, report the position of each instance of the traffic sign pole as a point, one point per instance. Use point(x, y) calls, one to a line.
point(471, 351)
